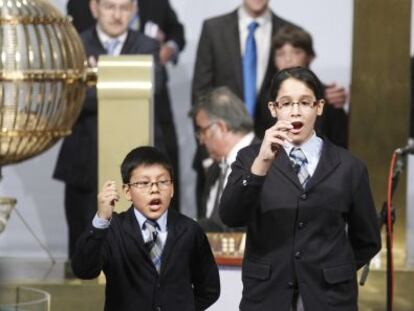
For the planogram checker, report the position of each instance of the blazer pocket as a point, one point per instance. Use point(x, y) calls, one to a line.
point(341, 287)
point(255, 280)
point(339, 274)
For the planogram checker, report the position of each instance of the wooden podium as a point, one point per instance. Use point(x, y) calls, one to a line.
point(125, 113)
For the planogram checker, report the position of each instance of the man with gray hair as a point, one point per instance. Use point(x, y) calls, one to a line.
point(223, 126)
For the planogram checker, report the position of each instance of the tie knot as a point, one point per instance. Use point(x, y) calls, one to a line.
point(252, 26)
point(151, 225)
point(111, 45)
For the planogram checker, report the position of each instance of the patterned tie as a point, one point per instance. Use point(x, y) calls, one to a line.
point(111, 46)
point(154, 243)
point(223, 171)
point(249, 69)
point(299, 161)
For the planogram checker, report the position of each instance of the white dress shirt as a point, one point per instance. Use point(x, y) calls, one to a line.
point(101, 223)
point(231, 157)
point(312, 149)
point(103, 38)
point(263, 36)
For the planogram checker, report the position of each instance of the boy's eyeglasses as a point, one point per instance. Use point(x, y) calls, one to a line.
point(161, 184)
point(287, 105)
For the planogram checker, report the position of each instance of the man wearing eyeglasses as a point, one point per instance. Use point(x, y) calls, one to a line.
point(223, 126)
point(77, 162)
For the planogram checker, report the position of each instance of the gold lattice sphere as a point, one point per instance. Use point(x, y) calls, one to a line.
point(42, 72)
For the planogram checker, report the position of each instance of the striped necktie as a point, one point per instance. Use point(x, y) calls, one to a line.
point(154, 243)
point(299, 161)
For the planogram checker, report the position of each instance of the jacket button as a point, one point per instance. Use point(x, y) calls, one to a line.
point(298, 255)
point(303, 196)
point(301, 225)
point(244, 182)
point(158, 308)
point(291, 284)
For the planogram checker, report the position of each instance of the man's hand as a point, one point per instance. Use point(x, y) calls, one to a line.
point(166, 53)
point(273, 140)
point(107, 199)
point(335, 95)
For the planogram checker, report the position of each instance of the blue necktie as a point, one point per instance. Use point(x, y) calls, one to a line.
point(111, 45)
point(249, 69)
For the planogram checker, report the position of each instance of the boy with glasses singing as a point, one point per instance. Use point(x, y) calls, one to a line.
point(152, 257)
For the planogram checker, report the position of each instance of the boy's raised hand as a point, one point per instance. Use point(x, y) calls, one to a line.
point(273, 140)
point(106, 200)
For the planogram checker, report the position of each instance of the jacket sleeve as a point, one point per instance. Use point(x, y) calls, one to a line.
point(204, 273)
point(174, 30)
point(203, 69)
point(88, 259)
point(241, 197)
point(363, 226)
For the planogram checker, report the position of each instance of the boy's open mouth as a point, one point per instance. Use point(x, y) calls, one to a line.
point(155, 202)
point(297, 125)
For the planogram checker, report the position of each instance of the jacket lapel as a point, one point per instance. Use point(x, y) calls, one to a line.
point(328, 162)
point(131, 227)
point(283, 165)
point(175, 230)
point(232, 42)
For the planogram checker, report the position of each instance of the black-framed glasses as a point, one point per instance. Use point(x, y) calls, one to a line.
point(201, 131)
point(146, 185)
point(287, 104)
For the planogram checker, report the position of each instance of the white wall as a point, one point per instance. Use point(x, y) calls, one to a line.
point(40, 199)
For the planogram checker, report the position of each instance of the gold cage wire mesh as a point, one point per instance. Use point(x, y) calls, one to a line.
point(42, 72)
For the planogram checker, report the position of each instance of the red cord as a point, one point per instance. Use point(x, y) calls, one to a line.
point(389, 221)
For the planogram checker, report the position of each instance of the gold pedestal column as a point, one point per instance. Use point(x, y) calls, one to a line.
point(125, 113)
point(379, 113)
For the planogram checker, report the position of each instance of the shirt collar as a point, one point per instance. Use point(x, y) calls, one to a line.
point(311, 148)
point(162, 221)
point(103, 37)
point(245, 141)
point(246, 19)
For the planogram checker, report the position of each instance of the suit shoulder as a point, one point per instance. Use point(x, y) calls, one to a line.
point(142, 38)
point(250, 151)
point(187, 222)
point(87, 35)
point(346, 156)
point(220, 20)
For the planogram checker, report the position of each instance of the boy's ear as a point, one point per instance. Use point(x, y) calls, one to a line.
point(321, 104)
point(272, 107)
point(127, 192)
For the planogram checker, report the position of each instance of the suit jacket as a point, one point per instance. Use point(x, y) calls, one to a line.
point(77, 160)
point(188, 279)
point(313, 239)
point(219, 62)
point(213, 223)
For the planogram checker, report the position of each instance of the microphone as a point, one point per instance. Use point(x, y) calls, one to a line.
point(409, 149)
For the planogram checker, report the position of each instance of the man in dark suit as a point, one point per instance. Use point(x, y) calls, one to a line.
point(155, 16)
point(77, 161)
point(224, 127)
point(307, 204)
point(220, 53)
point(153, 258)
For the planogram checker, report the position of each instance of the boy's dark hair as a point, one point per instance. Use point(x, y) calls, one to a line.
point(145, 156)
point(302, 74)
point(296, 36)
